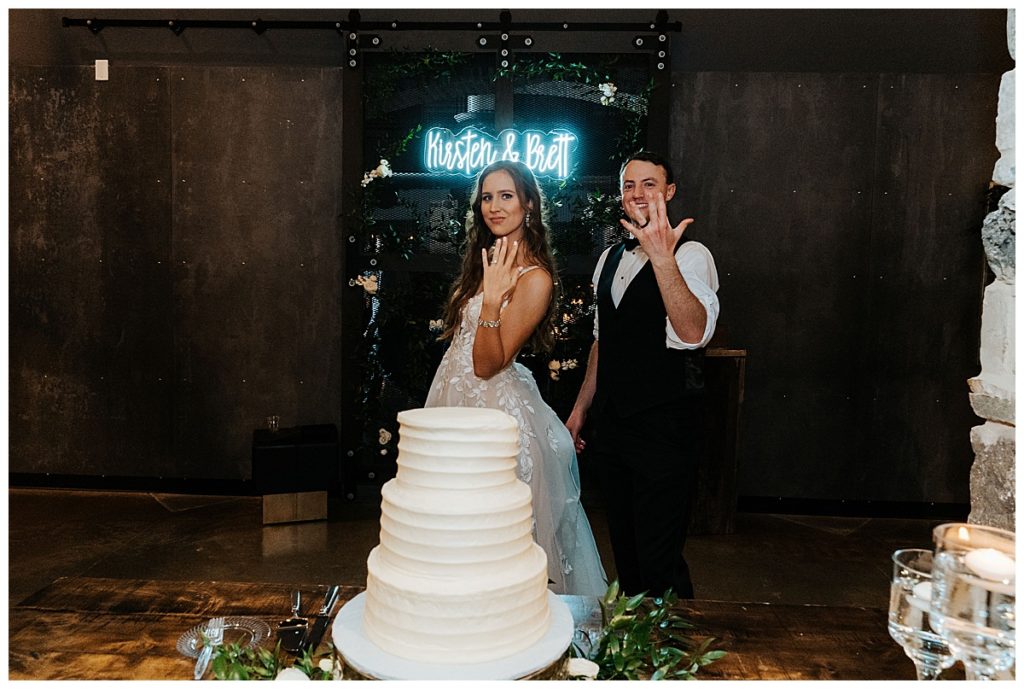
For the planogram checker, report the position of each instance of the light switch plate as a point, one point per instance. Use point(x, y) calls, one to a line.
point(102, 73)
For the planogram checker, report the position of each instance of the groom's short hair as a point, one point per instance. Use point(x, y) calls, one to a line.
point(653, 158)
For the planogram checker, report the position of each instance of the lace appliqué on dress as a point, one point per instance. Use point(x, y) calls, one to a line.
point(501, 391)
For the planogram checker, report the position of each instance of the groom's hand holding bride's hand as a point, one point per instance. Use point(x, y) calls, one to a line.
point(575, 425)
point(500, 272)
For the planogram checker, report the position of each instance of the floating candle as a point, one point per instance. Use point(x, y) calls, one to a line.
point(921, 595)
point(991, 564)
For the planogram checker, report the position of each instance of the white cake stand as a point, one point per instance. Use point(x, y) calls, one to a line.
point(368, 659)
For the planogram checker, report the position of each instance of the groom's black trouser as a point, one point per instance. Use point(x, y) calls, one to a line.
point(647, 464)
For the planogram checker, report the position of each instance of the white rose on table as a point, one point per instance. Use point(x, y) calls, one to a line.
point(292, 673)
point(581, 667)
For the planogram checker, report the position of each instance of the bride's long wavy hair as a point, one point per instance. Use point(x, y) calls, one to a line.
point(536, 249)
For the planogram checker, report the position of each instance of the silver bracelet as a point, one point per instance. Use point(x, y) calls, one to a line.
point(481, 323)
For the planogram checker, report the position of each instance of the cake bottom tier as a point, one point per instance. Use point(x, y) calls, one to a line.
point(447, 620)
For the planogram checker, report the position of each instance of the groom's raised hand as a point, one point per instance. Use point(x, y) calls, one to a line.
point(658, 238)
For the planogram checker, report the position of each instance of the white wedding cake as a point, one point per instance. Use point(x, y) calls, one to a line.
point(457, 577)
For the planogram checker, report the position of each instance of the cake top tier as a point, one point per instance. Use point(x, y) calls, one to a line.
point(458, 419)
point(457, 449)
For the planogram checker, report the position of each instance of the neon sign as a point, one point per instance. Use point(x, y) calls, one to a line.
point(471, 150)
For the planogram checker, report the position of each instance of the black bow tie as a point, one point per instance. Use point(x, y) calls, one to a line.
point(630, 243)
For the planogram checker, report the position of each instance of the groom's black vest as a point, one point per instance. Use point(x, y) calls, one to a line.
point(635, 370)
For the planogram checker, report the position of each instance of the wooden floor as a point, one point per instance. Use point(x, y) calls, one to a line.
point(55, 533)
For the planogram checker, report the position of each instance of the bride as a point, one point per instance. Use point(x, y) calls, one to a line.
point(503, 299)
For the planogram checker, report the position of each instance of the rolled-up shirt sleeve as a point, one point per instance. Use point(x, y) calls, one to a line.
point(697, 266)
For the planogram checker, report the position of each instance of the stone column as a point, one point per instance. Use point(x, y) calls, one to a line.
point(992, 394)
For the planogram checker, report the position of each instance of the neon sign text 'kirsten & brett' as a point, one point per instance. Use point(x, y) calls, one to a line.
point(471, 150)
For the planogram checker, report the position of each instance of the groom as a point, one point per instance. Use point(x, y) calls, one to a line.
point(656, 311)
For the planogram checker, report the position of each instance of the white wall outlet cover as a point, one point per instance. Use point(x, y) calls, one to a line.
point(102, 73)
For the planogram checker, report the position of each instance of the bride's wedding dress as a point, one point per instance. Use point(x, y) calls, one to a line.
point(547, 459)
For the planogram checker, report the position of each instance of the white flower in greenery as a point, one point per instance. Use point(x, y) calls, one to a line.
point(326, 664)
point(607, 90)
point(382, 170)
point(384, 437)
point(581, 667)
point(292, 673)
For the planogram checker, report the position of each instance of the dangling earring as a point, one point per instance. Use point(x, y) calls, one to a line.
point(526, 219)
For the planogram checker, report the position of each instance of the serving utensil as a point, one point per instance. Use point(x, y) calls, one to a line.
point(292, 632)
point(214, 638)
point(323, 618)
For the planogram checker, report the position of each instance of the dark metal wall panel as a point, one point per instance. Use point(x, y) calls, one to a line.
point(90, 355)
point(256, 307)
point(775, 169)
point(175, 265)
point(803, 189)
point(936, 145)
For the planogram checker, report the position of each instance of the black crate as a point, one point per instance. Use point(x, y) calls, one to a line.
point(295, 460)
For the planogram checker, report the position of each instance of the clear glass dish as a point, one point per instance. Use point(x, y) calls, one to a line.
point(244, 631)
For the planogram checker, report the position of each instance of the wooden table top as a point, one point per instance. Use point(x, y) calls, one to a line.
point(91, 628)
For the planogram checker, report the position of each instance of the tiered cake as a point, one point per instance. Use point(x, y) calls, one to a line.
point(457, 577)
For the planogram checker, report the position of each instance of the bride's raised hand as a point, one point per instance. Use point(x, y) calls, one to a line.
point(500, 272)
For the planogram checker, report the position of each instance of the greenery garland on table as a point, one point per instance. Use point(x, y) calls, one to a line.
point(235, 662)
point(639, 639)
